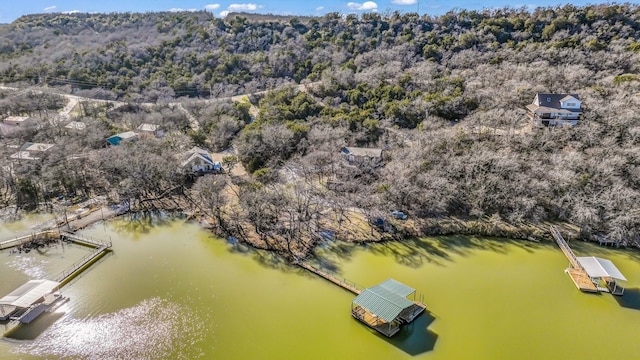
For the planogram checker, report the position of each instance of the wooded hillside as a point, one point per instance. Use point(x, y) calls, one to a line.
point(443, 96)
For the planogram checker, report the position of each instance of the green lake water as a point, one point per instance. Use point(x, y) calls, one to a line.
point(173, 291)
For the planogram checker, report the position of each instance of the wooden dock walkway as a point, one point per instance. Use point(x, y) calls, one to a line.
point(344, 283)
point(576, 272)
point(565, 248)
point(347, 285)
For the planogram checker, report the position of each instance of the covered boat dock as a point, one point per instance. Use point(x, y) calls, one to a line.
point(589, 272)
point(385, 307)
point(603, 270)
point(29, 300)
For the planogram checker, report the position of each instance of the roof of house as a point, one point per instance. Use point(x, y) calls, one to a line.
point(6, 129)
point(148, 127)
point(126, 135)
point(29, 293)
point(194, 153)
point(546, 109)
point(76, 125)
point(551, 102)
point(16, 118)
point(117, 138)
point(24, 155)
point(569, 97)
point(29, 146)
point(367, 152)
point(599, 268)
point(386, 300)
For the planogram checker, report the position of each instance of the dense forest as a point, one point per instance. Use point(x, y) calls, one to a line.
point(443, 97)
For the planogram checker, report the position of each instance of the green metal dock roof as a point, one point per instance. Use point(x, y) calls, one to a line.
point(386, 300)
point(397, 287)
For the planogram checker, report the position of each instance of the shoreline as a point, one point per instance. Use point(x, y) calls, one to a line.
point(303, 248)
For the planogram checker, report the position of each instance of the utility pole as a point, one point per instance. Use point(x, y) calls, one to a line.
point(102, 215)
point(66, 219)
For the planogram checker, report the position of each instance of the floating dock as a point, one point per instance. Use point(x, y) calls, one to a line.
point(101, 249)
point(582, 280)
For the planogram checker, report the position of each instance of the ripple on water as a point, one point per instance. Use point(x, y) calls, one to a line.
point(31, 266)
point(153, 329)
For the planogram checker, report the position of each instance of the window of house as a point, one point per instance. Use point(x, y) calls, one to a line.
point(571, 104)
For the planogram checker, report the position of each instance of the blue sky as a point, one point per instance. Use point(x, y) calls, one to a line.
point(12, 9)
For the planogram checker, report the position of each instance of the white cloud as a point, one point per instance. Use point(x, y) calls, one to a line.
point(367, 5)
point(320, 8)
point(404, 2)
point(224, 13)
point(49, 8)
point(243, 7)
point(212, 6)
point(180, 10)
point(71, 12)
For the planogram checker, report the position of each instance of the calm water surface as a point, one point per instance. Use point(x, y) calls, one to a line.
point(172, 291)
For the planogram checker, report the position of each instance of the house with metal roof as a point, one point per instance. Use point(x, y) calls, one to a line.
point(385, 307)
point(555, 109)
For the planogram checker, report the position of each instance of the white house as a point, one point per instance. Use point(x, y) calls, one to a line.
point(555, 109)
point(198, 160)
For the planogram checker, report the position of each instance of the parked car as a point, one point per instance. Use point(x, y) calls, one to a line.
point(399, 215)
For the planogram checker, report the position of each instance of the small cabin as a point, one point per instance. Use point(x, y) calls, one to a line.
point(362, 156)
point(150, 129)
